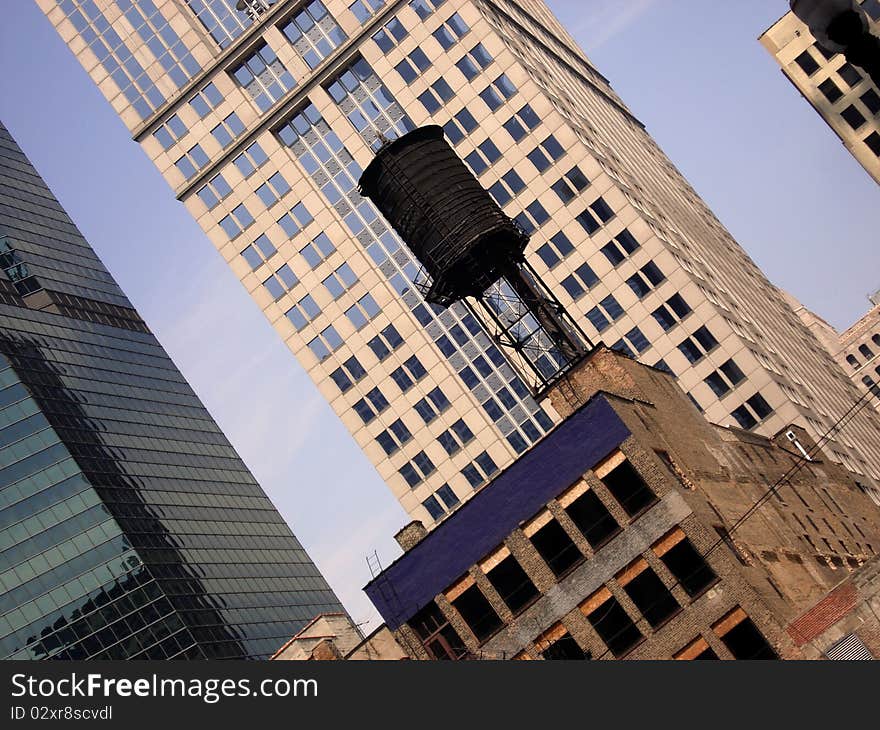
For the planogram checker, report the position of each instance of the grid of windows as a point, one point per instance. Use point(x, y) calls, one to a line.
point(314, 33)
point(264, 77)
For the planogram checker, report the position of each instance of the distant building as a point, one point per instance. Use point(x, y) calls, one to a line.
point(620, 535)
point(842, 94)
point(857, 349)
point(129, 526)
point(333, 636)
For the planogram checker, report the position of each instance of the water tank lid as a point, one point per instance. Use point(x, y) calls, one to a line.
point(374, 169)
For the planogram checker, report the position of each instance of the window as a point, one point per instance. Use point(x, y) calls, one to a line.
point(234, 223)
point(873, 142)
point(477, 613)
point(742, 638)
point(325, 343)
point(618, 249)
point(390, 35)
point(432, 99)
point(523, 120)
point(363, 311)
point(564, 648)
point(206, 100)
point(807, 63)
point(474, 60)
point(281, 282)
point(318, 250)
point(718, 384)
point(259, 252)
point(301, 313)
point(866, 352)
point(694, 352)
point(193, 161)
point(546, 153)
point(650, 596)
point(612, 623)
point(433, 506)
point(732, 372)
point(447, 496)
point(424, 8)
point(513, 584)
point(499, 90)
point(570, 184)
point(483, 157)
point(272, 190)
point(395, 437)
point(214, 191)
point(850, 75)
point(413, 65)
point(249, 160)
point(439, 639)
point(227, 130)
point(552, 252)
point(629, 489)
point(313, 33)
point(486, 464)
point(760, 406)
point(853, 117)
point(295, 220)
point(424, 464)
point(451, 31)
point(580, 281)
point(170, 132)
point(744, 418)
point(349, 373)
point(830, 90)
point(687, 565)
point(385, 342)
point(871, 101)
point(264, 77)
point(593, 519)
point(363, 10)
point(340, 281)
point(556, 548)
point(637, 340)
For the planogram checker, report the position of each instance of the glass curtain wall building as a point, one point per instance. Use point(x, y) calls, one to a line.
point(129, 527)
point(264, 143)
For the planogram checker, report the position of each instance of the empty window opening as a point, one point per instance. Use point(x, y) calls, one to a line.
point(689, 568)
point(628, 488)
point(593, 519)
point(652, 598)
point(565, 648)
point(513, 584)
point(478, 613)
point(615, 627)
point(556, 548)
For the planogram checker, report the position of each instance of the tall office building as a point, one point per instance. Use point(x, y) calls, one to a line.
point(129, 527)
point(261, 121)
point(843, 95)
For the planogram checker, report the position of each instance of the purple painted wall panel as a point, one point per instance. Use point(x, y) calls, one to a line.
point(482, 523)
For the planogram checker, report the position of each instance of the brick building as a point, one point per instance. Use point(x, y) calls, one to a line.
point(619, 535)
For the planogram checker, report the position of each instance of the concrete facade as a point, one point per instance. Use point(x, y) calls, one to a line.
point(842, 94)
point(661, 565)
point(260, 130)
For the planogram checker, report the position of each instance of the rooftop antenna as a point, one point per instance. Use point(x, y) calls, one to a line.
point(472, 252)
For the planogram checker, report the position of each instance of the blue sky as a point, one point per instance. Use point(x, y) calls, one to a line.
point(692, 71)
